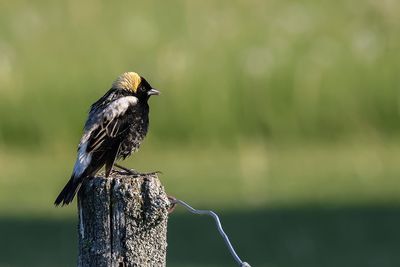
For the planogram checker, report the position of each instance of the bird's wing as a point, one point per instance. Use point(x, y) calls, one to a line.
point(100, 142)
point(110, 123)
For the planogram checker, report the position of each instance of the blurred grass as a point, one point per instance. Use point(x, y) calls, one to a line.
point(276, 69)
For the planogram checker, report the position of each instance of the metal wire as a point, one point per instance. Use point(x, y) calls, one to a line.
point(219, 227)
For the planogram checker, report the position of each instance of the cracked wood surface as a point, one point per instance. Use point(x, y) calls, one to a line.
point(122, 221)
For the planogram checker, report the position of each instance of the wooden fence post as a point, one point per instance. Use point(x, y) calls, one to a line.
point(122, 221)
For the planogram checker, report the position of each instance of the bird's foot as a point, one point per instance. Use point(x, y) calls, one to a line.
point(151, 173)
point(134, 172)
point(127, 170)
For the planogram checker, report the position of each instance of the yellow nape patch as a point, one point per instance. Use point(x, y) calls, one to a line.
point(127, 81)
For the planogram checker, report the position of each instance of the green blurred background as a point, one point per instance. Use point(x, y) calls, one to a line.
point(282, 116)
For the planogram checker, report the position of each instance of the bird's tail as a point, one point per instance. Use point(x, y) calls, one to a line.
point(69, 191)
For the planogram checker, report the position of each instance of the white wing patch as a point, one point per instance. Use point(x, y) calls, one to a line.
point(119, 106)
point(114, 110)
point(83, 160)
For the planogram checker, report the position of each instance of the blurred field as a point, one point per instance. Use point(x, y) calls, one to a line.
point(251, 175)
point(305, 237)
point(281, 115)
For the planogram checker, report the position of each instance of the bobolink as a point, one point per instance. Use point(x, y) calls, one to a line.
point(116, 126)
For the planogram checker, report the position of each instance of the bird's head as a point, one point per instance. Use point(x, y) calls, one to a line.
point(135, 84)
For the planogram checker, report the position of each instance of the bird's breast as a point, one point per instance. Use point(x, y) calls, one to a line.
point(138, 122)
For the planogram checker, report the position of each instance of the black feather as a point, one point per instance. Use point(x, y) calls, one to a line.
point(69, 191)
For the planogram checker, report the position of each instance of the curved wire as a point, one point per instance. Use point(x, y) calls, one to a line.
point(219, 227)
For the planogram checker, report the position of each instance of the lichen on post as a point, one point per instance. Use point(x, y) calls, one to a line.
point(122, 221)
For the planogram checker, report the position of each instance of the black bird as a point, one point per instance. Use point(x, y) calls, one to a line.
point(116, 126)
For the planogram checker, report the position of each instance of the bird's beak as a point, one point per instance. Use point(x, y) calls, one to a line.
point(153, 92)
